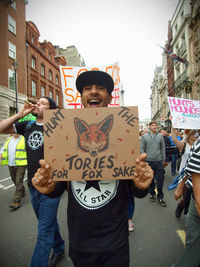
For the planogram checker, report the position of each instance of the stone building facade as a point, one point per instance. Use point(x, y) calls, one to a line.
point(71, 55)
point(180, 44)
point(194, 47)
point(183, 80)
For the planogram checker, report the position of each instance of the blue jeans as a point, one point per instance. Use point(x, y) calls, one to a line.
point(48, 229)
point(173, 163)
point(157, 167)
point(131, 206)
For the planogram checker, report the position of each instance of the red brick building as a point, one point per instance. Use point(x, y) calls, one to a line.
point(12, 49)
point(42, 67)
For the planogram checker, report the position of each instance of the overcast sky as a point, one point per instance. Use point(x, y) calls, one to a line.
point(107, 31)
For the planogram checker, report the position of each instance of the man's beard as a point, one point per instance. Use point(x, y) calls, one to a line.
point(34, 114)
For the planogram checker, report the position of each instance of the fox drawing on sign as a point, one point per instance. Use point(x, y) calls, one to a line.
point(93, 138)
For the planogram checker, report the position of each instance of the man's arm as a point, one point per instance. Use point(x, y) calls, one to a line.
point(176, 141)
point(179, 190)
point(163, 148)
point(6, 126)
point(196, 190)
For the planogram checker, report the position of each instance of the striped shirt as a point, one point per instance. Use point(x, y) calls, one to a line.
point(193, 162)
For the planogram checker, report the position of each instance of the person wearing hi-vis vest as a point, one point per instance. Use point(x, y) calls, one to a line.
point(14, 155)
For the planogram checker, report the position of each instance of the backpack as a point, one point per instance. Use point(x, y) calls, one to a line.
point(28, 125)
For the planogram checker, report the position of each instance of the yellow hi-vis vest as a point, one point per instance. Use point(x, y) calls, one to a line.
point(20, 153)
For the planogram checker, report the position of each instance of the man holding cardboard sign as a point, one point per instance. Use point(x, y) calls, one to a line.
point(98, 219)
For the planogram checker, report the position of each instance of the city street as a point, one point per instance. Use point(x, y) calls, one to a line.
point(157, 241)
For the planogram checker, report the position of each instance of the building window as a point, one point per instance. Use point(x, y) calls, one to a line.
point(42, 70)
point(32, 39)
point(198, 63)
point(49, 56)
point(50, 93)
point(12, 50)
point(11, 24)
point(57, 80)
point(50, 75)
point(33, 88)
point(42, 90)
point(196, 35)
point(11, 79)
point(33, 63)
point(57, 99)
point(13, 4)
point(182, 13)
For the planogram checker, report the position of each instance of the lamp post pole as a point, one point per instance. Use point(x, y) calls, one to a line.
point(15, 67)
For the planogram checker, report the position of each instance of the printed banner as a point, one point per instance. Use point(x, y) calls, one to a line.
point(91, 144)
point(72, 98)
point(185, 113)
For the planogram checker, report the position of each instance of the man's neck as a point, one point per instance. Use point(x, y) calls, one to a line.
point(39, 120)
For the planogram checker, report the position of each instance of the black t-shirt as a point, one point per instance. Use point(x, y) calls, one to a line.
point(97, 213)
point(33, 134)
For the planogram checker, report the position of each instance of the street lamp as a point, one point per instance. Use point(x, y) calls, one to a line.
point(15, 67)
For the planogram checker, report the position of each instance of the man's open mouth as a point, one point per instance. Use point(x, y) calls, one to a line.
point(94, 102)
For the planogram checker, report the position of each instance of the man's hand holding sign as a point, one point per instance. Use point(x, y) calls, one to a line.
point(45, 184)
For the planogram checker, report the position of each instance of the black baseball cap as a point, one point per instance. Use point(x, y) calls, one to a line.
point(94, 77)
point(52, 103)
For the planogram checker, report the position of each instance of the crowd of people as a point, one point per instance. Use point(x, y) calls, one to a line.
point(109, 244)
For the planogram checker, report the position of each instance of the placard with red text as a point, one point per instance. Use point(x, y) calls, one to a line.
point(72, 98)
point(91, 144)
point(185, 113)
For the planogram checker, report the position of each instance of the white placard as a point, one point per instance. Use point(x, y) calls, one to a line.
point(72, 98)
point(185, 113)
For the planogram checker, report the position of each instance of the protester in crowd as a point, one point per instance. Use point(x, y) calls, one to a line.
point(184, 146)
point(141, 132)
point(181, 135)
point(167, 147)
point(98, 235)
point(190, 256)
point(175, 153)
point(13, 154)
point(153, 144)
point(45, 208)
point(193, 173)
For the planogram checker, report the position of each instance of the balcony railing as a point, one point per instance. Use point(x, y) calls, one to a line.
point(182, 50)
point(181, 80)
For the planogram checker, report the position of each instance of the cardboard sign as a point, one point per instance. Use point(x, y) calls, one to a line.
point(185, 113)
point(91, 144)
point(72, 98)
